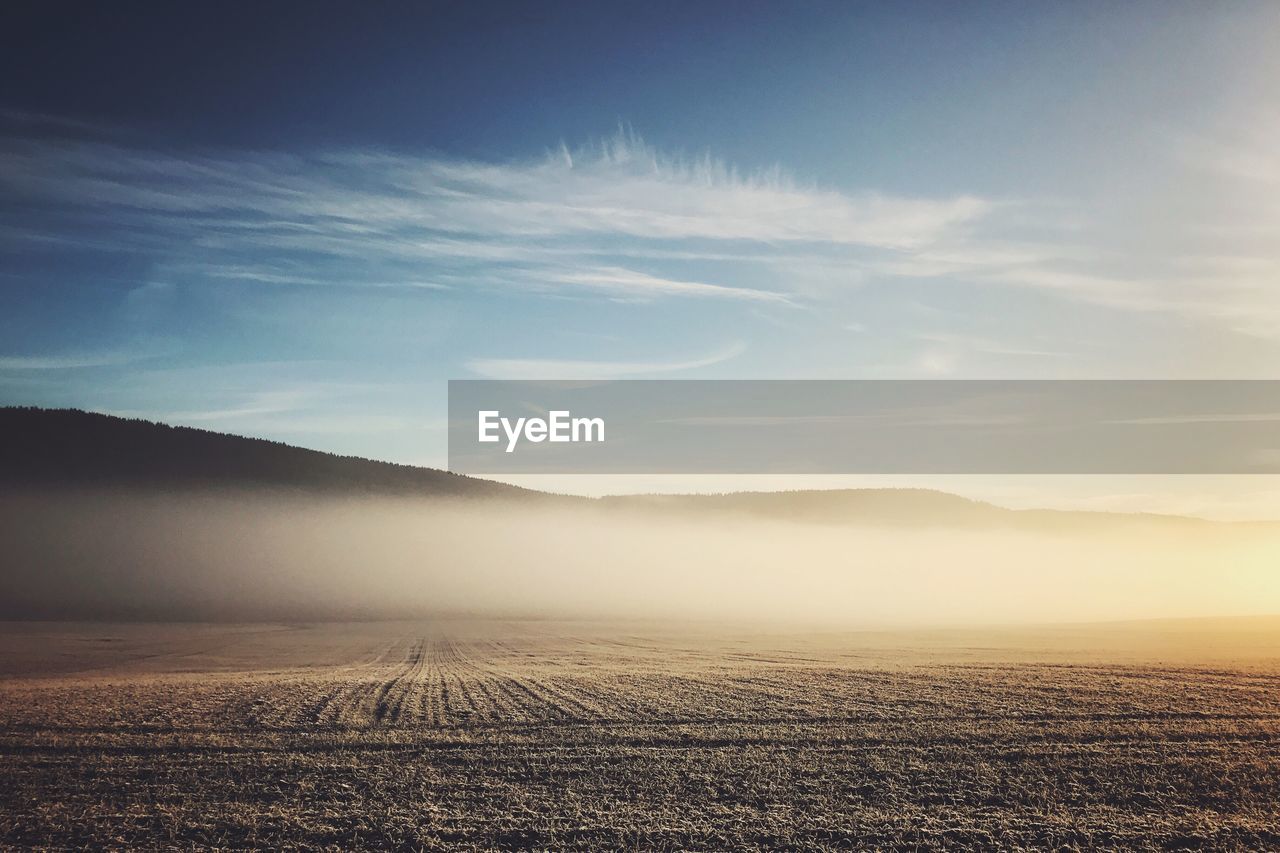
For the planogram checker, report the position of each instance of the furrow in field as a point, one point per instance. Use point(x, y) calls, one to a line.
point(390, 696)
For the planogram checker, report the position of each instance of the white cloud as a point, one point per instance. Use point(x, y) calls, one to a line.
point(254, 405)
point(521, 368)
point(618, 219)
point(985, 346)
point(359, 217)
point(1248, 155)
point(65, 362)
point(629, 283)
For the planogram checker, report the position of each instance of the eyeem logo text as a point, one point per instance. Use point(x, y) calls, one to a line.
point(557, 427)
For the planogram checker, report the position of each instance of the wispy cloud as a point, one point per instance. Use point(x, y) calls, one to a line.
point(1247, 154)
point(596, 219)
point(985, 346)
point(525, 368)
point(616, 220)
point(66, 361)
point(1238, 294)
point(253, 406)
point(636, 285)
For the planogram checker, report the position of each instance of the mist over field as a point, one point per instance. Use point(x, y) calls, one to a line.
point(253, 554)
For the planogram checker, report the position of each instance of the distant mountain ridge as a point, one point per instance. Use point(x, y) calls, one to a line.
point(889, 506)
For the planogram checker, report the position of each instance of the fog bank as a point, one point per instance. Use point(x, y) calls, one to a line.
point(244, 555)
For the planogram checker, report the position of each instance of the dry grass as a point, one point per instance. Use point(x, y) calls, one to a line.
point(575, 735)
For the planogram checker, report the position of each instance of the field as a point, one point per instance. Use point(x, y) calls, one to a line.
point(565, 735)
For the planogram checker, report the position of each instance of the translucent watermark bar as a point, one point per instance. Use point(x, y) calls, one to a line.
point(865, 427)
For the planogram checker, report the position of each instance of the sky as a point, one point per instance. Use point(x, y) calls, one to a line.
point(297, 221)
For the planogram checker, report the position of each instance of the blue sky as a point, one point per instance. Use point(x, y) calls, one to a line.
point(298, 221)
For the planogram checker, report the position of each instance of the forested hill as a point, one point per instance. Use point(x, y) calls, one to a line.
point(69, 447)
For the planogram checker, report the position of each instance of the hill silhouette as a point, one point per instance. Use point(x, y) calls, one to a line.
point(70, 447)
